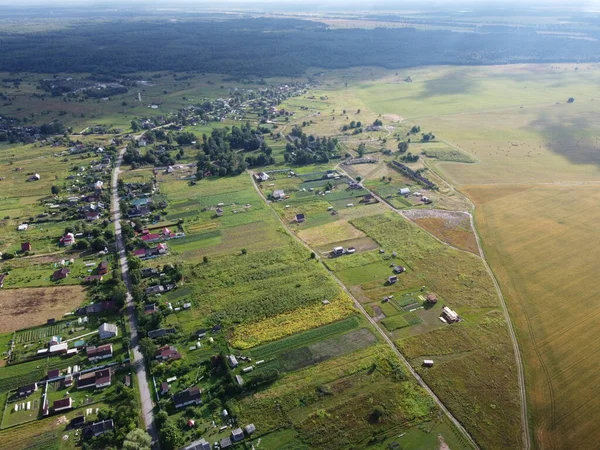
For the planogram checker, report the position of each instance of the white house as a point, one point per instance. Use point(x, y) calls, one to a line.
point(107, 330)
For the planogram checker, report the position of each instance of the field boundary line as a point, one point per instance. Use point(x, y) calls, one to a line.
point(382, 333)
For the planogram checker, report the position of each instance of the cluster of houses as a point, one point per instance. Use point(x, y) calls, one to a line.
point(56, 346)
point(161, 247)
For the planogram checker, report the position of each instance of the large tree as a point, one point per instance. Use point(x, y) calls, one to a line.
point(137, 439)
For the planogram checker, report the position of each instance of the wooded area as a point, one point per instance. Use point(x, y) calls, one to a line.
point(271, 47)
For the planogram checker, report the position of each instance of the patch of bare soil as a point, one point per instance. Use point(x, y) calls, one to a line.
point(394, 117)
point(379, 315)
point(452, 227)
point(28, 307)
point(443, 445)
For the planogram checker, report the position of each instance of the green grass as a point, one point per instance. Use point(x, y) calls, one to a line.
point(336, 398)
point(394, 323)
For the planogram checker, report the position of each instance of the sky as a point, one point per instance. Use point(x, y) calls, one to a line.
point(304, 5)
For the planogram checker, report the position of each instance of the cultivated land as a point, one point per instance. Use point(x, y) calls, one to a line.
point(535, 188)
point(26, 307)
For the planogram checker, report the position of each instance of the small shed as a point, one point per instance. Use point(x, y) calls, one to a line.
point(300, 218)
point(431, 298)
point(428, 363)
point(393, 279)
point(26, 246)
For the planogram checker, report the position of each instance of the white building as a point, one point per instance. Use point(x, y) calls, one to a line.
point(107, 330)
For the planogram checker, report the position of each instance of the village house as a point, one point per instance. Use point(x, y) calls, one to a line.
point(101, 352)
point(58, 348)
point(449, 315)
point(225, 442)
point(27, 390)
point(62, 404)
point(262, 176)
point(233, 362)
point(167, 353)
point(26, 246)
point(150, 237)
point(200, 444)
point(99, 379)
point(107, 330)
point(103, 268)
point(140, 253)
point(155, 334)
point(77, 422)
point(103, 378)
point(237, 435)
point(187, 397)
point(149, 272)
point(90, 216)
point(92, 278)
point(278, 194)
point(150, 309)
point(153, 290)
point(393, 279)
point(68, 239)
point(54, 373)
point(61, 274)
point(98, 428)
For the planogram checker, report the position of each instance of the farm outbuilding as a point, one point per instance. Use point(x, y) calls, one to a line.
point(428, 362)
point(449, 315)
point(61, 274)
point(431, 298)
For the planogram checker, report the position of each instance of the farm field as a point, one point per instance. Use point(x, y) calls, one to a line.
point(451, 227)
point(534, 185)
point(337, 393)
point(27, 307)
